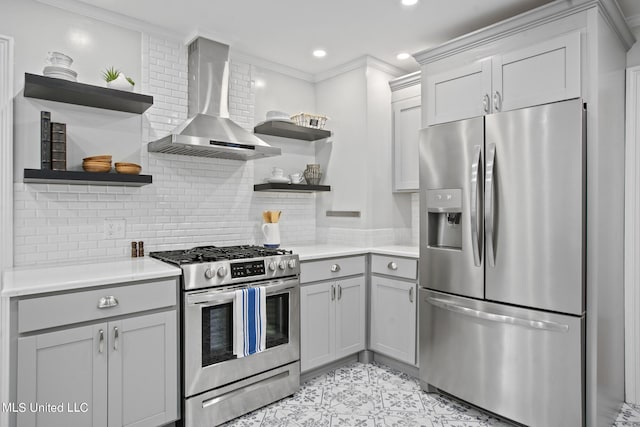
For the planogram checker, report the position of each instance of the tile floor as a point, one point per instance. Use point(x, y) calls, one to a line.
point(375, 395)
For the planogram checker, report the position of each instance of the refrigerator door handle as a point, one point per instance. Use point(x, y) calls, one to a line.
point(489, 214)
point(500, 318)
point(475, 189)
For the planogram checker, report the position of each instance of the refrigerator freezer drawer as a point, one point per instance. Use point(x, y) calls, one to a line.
point(525, 365)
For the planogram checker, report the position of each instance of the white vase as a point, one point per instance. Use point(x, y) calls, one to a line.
point(121, 83)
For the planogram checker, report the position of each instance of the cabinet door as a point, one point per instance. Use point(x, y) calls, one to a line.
point(350, 317)
point(538, 74)
point(143, 370)
point(407, 120)
point(67, 367)
point(393, 318)
point(460, 93)
point(317, 325)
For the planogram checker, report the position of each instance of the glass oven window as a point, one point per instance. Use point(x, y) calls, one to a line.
point(217, 328)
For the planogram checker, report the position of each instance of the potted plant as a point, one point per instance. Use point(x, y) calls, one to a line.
point(117, 80)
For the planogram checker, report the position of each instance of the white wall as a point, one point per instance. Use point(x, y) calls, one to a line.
point(192, 201)
point(633, 55)
point(359, 161)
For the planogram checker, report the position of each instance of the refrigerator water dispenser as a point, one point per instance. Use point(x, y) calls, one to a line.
point(444, 208)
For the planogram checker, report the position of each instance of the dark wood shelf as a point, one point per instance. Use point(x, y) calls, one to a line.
point(293, 188)
point(289, 130)
point(59, 90)
point(41, 176)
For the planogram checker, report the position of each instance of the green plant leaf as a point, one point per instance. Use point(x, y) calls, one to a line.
point(110, 74)
point(130, 80)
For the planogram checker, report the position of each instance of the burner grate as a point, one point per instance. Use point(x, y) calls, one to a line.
point(200, 254)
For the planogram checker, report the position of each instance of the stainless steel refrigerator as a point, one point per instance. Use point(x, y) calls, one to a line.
point(502, 262)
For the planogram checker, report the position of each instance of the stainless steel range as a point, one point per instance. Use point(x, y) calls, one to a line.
point(218, 385)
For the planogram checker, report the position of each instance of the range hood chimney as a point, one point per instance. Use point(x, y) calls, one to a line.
point(208, 132)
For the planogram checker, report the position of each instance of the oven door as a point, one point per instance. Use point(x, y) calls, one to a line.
point(208, 335)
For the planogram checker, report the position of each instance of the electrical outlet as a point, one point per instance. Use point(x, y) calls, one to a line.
point(114, 228)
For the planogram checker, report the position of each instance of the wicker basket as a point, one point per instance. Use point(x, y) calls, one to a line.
point(315, 121)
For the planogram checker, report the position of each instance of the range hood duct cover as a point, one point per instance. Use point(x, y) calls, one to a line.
point(209, 132)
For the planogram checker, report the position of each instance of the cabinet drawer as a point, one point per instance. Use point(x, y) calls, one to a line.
point(64, 309)
point(394, 266)
point(327, 269)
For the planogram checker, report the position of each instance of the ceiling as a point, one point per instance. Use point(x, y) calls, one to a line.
point(287, 31)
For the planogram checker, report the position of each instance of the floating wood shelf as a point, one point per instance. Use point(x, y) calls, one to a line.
point(293, 188)
point(78, 177)
point(59, 90)
point(289, 130)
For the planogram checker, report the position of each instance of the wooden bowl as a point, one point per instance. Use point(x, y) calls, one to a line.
point(103, 158)
point(128, 168)
point(96, 166)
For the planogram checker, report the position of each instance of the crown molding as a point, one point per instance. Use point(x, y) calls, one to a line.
point(544, 14)
point(113, 18)
point(270, 65)
point(361, 62)
point(405, 81)
point(633, 21)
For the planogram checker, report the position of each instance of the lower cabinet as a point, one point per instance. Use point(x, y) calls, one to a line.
point(393, 318)
point(332, 321)
point(119, 373)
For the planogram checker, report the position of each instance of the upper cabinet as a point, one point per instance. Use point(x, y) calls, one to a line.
point(537, 74)
point(407, 119)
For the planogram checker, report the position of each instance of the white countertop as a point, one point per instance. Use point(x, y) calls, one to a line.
point(311, 252)
point(28, 280)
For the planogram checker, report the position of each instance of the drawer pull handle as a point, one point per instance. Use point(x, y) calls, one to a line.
point(392, 266)
point(116, 335)
point(410, 294)
point(333, 292)
point(106, 302)
point(335, 268)
point(339, 292)
point(100, 341)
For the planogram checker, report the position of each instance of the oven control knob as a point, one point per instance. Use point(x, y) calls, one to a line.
point(272, 266)
point(292, 263)
point(209, 273)
point(222, 271)
point(282, 265)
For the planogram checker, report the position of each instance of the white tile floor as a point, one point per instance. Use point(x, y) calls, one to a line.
point(360, 395)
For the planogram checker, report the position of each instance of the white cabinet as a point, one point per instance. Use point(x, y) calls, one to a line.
point(536, 74)
point(332, 310)
point(69, 367)
point(407, 121)
point(112, 373)
point(459, 93)
point(332, 321)
point(393, 318)
point(394, 307)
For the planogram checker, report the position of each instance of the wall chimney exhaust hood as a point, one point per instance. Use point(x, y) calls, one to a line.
point(208, 132)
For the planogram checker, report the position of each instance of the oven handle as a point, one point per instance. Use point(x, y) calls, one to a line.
point(219, 296)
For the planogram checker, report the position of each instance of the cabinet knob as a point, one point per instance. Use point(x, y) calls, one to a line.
point(497, 101)
point(392, 266)
point(335, 268)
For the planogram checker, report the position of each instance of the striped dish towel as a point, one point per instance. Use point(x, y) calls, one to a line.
point(249, 321)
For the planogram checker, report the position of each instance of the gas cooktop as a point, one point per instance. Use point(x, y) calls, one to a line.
point(207, 266)
point(202, 254)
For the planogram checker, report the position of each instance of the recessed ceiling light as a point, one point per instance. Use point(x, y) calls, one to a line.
point(319, 53)
point(409, 2)
point(403, 56)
